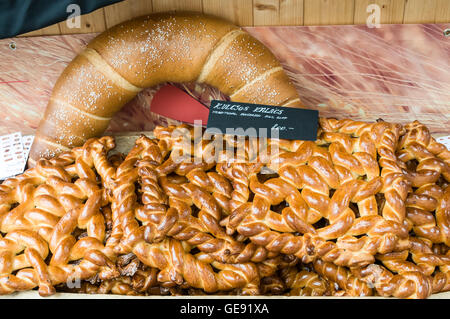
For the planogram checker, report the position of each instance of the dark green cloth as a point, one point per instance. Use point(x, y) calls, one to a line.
point(20, 16)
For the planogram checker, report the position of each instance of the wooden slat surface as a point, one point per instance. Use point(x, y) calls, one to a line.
point(266, 12)
point(291, 12)
point(126, 10)
point(166, 5)
point(91, 22)
point(237, 11)
point(442, 11)
point(320, 12)
point(392, 11)
point(50, 30)
point(420, 11)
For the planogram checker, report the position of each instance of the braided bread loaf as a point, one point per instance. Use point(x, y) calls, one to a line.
point(364, 210)
point(40, 210)
point(131, 56)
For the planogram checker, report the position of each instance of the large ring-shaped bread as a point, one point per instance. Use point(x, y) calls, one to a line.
point(143, 52)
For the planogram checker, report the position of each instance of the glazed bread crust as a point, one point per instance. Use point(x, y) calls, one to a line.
point(143, 52)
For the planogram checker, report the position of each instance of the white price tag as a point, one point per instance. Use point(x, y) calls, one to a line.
point(12, 157)
point(27, 141)
point(444, 140)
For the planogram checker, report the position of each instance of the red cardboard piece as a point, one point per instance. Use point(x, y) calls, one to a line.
point(176, 104)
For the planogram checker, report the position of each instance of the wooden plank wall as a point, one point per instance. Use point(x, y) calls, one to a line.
point(266, 12)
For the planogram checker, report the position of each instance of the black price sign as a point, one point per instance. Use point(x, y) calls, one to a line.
point(253, 120)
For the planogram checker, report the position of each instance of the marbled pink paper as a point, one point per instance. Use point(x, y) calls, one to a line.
point(398, 73)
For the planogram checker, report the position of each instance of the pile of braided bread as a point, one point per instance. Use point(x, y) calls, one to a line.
point(362, 211)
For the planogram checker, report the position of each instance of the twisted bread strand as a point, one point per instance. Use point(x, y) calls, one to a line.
point(177, 221)
point(435, 264)
point(272, 285)
point(35, 251)
point(66, 248)
point(254, 221)
point(441, 282)
point(428, 206)
point(177, 266)
point(238, 174)
point(305, 283)
point(427, 211)
point(143, 282)
point(417, 133)
point(46, 192)
point(384, 137)
point(203, 231)
point(385, 233)
point(42, 275)
point(49, 208)
point(168, 255)
point(325, 204)
point(307, 247)
point(425, 260)
point(409, 284)
point(188, 149)
point(350, 284)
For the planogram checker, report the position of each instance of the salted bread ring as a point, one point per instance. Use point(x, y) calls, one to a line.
point(143, 52)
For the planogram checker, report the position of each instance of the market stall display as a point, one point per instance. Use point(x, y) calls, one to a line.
point(363, 210)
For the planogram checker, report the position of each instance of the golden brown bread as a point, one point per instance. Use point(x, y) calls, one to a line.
point(175, 47)
point(322, 224)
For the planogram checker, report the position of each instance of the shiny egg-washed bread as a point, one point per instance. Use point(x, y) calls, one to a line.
point(143, 52)
point(362, 211)
point(41, 209)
